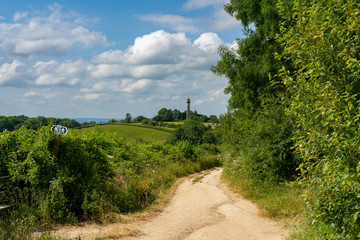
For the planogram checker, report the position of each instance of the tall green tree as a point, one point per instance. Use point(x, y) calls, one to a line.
point(193, 132)
point(248, 68)
point(128, 118)
point(255, 126)
point(139, 119)
point(177, 115)
point(164, 115)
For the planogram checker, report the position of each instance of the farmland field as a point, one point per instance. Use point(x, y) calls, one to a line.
point(131, 131)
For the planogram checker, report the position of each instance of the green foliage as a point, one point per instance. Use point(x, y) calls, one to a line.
point(213, 119)
point(168, 115)
point(139, 119)
point(91, 174)
point(11, 123)
point(249, 67)
point(164, 115)
point(193, 132)
point(262, 142)
point(128, 118)
point(16, 122)
point(274, 200)
point(255, 126)
point(185, 148)
point(324, 44)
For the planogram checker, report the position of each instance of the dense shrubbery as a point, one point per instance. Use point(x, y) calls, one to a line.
point(90, 174)
point(193, 132)
point(255, 128)
point(294, 80)
point(263, 142)
point(324, 43)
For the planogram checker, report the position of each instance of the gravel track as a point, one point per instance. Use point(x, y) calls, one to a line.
point(202, 208)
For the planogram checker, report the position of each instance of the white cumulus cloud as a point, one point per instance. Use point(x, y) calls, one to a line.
point(54, 73)
point(11, 72)
point(88, 97)
point(157, 47)
point(222, 21)
point(175, 22)
point(20, 15)
point(137, 86)
point(51, 35)
point(208, 42)
point(129, 86)
point(34, 94)
point(196, 4)
point(218, 20)
point(161, 67)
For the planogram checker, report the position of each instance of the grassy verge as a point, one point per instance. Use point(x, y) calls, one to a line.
point(275, 201)
point(281, 201)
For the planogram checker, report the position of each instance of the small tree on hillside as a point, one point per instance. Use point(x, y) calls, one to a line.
point(193, 132)
point(128, 118)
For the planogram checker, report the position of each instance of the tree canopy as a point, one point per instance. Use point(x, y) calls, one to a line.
point(193, 132)
point(168, 115)
point(294, 83)
point(248, 68)
point(256, 94)
point(324, 44)
point(16, 122)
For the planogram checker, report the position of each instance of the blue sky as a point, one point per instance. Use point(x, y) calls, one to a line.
point(111, 57)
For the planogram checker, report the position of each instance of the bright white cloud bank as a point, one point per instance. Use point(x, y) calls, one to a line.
point(159, 67)
point(157, 64)
point(52, 35)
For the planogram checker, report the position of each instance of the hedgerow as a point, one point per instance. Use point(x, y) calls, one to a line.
point(324, 44)
point(87, 175)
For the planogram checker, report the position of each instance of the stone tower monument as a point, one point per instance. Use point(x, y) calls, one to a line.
point(188, 108)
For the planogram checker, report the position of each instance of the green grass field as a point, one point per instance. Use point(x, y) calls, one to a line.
point(132, 131)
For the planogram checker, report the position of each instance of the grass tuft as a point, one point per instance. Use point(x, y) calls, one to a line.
point(274, 200)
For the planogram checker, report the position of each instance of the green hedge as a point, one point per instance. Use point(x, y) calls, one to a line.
point(89, 175)
point(324, 44)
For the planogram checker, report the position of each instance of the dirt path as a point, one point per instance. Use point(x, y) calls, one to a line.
point(201, 208)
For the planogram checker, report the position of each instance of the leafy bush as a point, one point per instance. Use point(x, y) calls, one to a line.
point(194, 132)
point(90, 174)
point(324, 44)
point(261, 143)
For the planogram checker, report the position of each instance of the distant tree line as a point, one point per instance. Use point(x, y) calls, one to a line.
point(168, 115)
point(12, 123)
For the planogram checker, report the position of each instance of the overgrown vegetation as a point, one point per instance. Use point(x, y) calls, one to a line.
point(294, 85)
point(194, 133)
point(255, 127)
point(324, 44)
point(16, 122)
point(274, 200)
point(90, 175)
